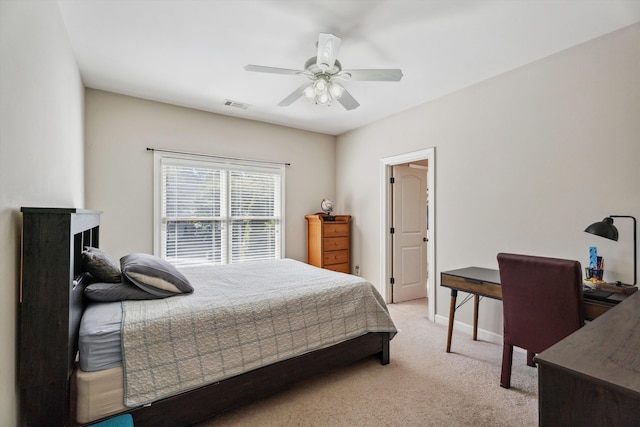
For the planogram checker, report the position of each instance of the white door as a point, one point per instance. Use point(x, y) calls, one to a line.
point(409, 239)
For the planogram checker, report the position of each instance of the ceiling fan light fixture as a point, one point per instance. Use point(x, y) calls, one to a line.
point(309, 91)
point(335, 90)
point(320, 86)
point(322, 90)
point(323, 98)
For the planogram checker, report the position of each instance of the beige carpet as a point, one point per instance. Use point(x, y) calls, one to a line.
point(422, 386)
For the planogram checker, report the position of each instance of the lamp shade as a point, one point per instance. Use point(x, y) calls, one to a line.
point(604, 228)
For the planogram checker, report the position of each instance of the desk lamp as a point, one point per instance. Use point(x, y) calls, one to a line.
point(606, 229)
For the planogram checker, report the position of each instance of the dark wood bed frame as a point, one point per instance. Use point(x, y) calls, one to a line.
point(51, 305)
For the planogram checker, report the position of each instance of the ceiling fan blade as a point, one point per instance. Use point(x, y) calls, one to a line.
point(348, 102)
point(328, 48)
point(376, 75)
point(293, 96)
point(273, 70)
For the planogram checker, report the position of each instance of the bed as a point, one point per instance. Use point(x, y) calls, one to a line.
point(53, 385)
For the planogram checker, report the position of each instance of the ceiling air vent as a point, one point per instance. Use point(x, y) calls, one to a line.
point(236, 104)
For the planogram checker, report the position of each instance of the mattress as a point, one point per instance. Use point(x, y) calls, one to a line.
point(99, 341)
point(100, 394)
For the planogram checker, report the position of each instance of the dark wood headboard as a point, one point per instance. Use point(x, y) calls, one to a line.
point(50, 308)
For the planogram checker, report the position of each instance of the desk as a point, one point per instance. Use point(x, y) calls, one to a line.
point(484, 282)
point(590, 378)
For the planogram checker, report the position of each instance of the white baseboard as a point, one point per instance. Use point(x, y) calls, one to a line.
point(483, 334)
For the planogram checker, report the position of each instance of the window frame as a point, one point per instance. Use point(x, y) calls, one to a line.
point(215, 162)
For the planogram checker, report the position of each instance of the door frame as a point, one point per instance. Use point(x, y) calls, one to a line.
point(385, 220)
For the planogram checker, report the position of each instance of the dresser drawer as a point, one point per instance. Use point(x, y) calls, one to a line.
point(335, 230)
point(342, 268)
point(335, 243)
point(336, 257)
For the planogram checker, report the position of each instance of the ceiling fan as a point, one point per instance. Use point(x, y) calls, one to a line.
point(324, 70)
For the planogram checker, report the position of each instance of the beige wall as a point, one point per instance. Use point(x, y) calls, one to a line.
point(524, 162)
point(41, 148)
point(119, 169)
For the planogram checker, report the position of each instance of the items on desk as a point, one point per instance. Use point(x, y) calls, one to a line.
point(593, 255)
point(596, 266)
point(593, 276)
point(594, 286)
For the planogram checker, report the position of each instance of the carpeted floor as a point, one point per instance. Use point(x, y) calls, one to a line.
point(422, 386)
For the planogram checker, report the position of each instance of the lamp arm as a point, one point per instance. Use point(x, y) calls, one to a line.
point(635, 247)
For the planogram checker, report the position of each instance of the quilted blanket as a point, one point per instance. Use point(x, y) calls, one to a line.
point(241, 317)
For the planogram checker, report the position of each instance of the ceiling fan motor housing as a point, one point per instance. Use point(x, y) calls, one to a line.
point(312, 67)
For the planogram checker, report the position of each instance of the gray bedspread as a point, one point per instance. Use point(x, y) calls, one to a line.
point(241, 317)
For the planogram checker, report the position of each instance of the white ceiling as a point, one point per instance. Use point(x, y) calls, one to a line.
point(192, 52)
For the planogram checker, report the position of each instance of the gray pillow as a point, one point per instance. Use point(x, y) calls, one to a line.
point(110, 292)
point(100, 265)
point(154, 275)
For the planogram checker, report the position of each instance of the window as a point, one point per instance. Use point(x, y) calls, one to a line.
point(211, 211)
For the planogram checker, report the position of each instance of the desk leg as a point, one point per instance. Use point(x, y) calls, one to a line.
point(476, 303)
point(452, 312)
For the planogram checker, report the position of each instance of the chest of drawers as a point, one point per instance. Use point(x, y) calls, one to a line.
point(329, 242)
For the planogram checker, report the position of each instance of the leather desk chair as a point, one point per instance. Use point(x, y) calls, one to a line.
point(542, 304)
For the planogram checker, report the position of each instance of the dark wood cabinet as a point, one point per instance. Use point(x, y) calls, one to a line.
point(329, 242)
point(51, 239)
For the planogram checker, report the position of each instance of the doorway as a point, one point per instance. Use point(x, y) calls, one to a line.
point(419, 254)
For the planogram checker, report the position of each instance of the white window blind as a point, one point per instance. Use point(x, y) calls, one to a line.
point(209, 212)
